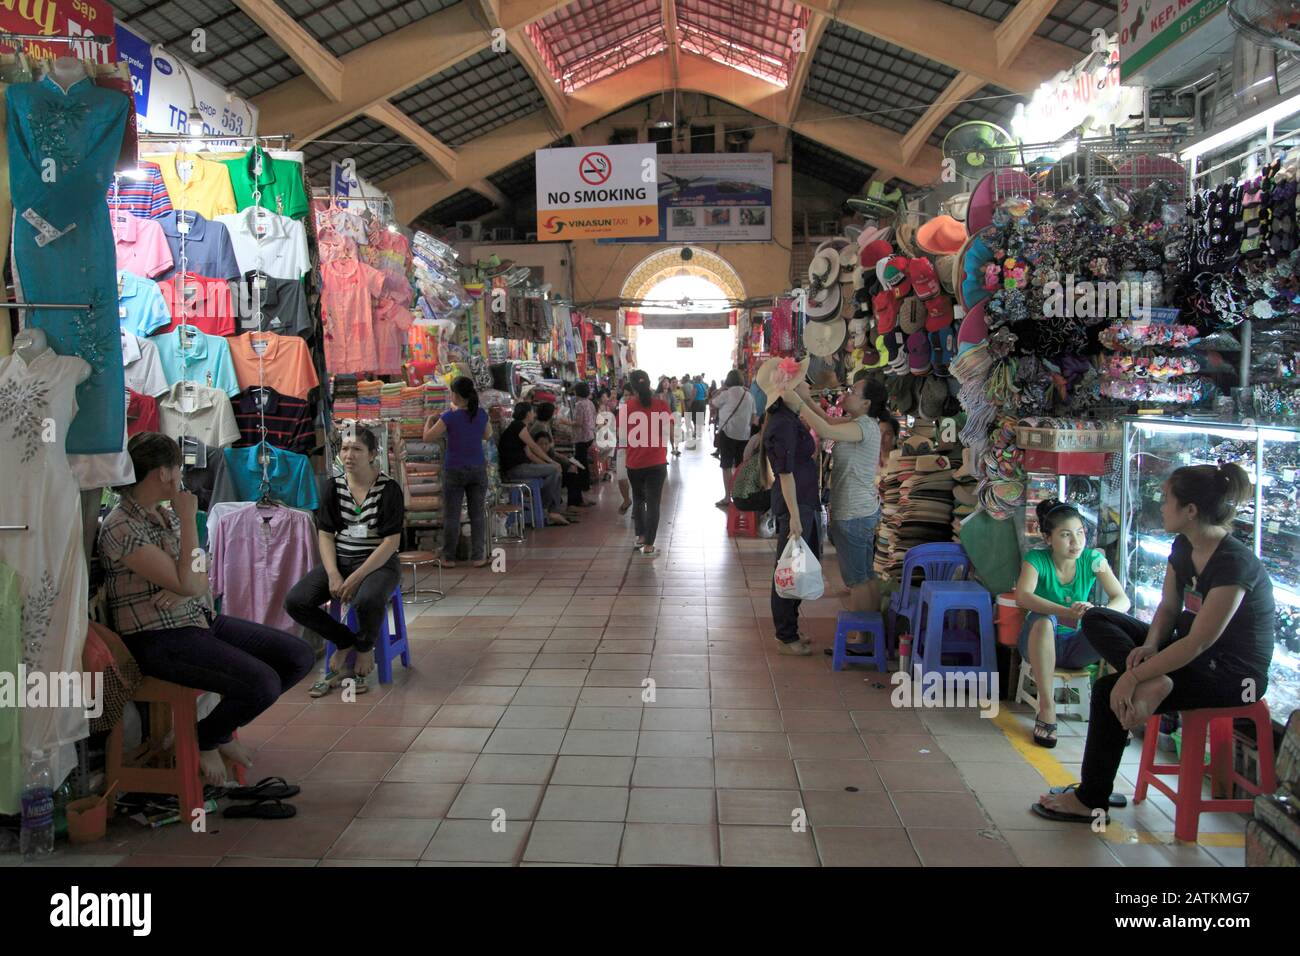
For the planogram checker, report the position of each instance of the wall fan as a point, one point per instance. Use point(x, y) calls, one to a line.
point(972, 145)
point(1274, 23)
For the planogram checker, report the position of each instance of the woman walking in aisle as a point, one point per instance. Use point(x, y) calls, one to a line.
point(734, 408)
point(464, 470)
point(359, 530)
point(650, 429)
point(584, 434)
point(796, 499)
point(155, 592)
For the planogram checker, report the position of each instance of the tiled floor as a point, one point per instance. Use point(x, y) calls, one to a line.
point(522, 734)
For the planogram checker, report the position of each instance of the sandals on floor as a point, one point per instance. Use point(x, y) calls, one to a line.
point(1117, 800)
point(331, 680)
point(268, 788)
point(1041, 738)
point(268, 809)
point(1061, 817)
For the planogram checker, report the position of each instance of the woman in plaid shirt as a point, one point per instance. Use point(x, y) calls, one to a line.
point(156, 583)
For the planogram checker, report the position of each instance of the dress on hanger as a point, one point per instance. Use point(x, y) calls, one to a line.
point(11, 639)
point(49, 557)
point(63, 243)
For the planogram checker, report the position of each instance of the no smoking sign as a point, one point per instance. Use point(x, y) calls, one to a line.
point(595, 169)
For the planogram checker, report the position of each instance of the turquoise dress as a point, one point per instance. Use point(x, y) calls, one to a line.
point(63, 148)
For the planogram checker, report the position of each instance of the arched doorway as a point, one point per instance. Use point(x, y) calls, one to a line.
point(685, 307)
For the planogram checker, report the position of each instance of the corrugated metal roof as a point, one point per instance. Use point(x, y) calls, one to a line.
point(992, 104)
point(473, 97)
point(343, 25)
point(811, 158)
point(374, 162)
point(861, 75)
point(462, 207)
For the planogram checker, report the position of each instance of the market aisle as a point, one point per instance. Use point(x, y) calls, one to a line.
point(526, 698)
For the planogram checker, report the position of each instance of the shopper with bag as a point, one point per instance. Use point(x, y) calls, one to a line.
point(734, 409)
point(790, 452)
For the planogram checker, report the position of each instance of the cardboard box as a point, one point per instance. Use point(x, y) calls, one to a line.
point(1091, 463)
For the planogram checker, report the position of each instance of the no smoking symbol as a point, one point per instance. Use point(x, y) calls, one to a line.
point(595, 168)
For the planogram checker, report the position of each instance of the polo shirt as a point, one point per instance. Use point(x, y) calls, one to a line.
point(143, 195)
point(201, 469)
point(141, 246)
point(198, 185)
point(141, 308)
point(205, 413)
point(201, 302)
point(283, 302)
point(288, 473)
point(141, 413)
point(204, 359)
point(142, 370)
point(282, 363)
point(208, 249)
point(267, 242)
point(279, 180)
point(288, 420)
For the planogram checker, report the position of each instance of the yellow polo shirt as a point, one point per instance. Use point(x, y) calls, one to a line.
point(205, 190)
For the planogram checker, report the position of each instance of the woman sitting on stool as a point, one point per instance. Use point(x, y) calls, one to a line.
point(360, 530)
point(1055, 587)
point(519, 459)
point(1209, 644)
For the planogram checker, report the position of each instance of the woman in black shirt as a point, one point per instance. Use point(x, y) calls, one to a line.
point(359, 528)
point(1208, 645)
point(519, 458)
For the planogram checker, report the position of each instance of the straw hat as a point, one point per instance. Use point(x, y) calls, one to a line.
point(824, 338)
point(825, 267)
point(768, 375)
point(905, 238)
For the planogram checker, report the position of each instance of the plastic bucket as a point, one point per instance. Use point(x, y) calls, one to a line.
point(1009, 619)
point(87, 819)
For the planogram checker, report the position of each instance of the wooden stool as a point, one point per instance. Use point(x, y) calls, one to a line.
point(168, 703)
point(417, 560)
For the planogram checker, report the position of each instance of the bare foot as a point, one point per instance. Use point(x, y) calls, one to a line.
point(339, 659)
point(1064, 802)
point(236, 752)
point(365, 663)
point(557, 519)
point(623, 508)
point(212, 768)
point(1146, 699)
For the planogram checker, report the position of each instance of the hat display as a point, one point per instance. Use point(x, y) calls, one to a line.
point(905, 238)
point(824, 269)
point(873, 252)
point(918, 353)
point(974, 329)
point(848, 259)
point(824, 304)
point(956, 206)
point(777, 374)
point(934, 396)
point(938, 313)
point(924, 282)
point(824, 338)
point(911, 315)
point(892, 271)
point(974, 256)
point(945, 269)
point(884, 305)
point(874, 234)
point(942, 235)
point(989, 193)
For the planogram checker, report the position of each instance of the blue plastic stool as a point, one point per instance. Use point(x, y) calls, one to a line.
point(845, 624)
point(391, 641)
point(938, 561)
point(534, 498)
point(936, 600)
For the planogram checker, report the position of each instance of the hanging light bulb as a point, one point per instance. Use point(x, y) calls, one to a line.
point(195, 122)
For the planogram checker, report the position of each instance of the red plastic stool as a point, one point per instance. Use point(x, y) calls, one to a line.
point(1191, 768)
point(741, 524)
point(182, 777)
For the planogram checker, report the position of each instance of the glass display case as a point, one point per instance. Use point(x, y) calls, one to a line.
point(1269, 525)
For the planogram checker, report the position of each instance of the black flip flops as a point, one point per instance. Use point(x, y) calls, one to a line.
point(268, 809)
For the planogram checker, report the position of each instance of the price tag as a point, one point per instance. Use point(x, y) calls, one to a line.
point(261, 282)
point(1288, 474)
point(1274, 527)
point(191, 459)
point(182, 226)
point(121, 312)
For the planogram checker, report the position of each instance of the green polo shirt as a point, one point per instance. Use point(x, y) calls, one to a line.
point(280, 182)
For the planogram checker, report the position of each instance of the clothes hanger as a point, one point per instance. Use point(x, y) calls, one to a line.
point(30, 344)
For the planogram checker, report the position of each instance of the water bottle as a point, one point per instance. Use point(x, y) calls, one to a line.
point(37, 837)
point(905, 654)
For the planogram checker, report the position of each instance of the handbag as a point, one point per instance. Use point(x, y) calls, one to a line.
point(748, 492)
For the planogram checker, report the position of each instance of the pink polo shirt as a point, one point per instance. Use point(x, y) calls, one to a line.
point(348, 291)
point(202, 302)
point(141, 246)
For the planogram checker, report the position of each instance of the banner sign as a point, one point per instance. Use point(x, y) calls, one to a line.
point(65, 18)
point(596, 192)
point(685, 321)
point(715, 197)
point(686, 343)
point(1073, 98)
point(1145, 31)
point(162, 94)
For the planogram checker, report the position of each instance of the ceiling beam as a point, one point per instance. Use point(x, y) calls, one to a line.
point(964, 41)
point(516, 14)
point(1015, 31)
point(557, 103)
point(323, 68)
point(375, 72)
point(803, 63)
point(416, 189)
point(488, 191)
point(437, 152)
point(670, 36)
point(962, 86)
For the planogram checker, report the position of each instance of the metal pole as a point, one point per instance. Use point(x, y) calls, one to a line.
point(45, 305)
point(1243, 366)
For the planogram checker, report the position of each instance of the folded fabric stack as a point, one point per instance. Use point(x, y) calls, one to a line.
point(426, 503)
point(425, 488)
point(390, 401)
point(345, 396)
point(423, 472)
point(368, 398)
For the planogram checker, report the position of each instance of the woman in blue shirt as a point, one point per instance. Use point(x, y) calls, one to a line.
point(464, 470)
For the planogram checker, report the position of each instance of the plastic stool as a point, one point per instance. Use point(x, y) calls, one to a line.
point(1063, 677)
point(938, 561)
point(530, 496)
point(416, 560)
point(845, 624)
point(391, 641)
point(1191, 767)
point(182, 778)
point(741, 524)
point(936, 600)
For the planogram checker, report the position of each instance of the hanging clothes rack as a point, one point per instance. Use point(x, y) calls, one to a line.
point(70, 306)
point(97, 38)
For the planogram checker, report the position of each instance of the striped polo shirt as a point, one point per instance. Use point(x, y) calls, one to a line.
point(144, 196)
point(359, 530)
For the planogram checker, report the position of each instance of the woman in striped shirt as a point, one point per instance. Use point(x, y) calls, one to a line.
point(360, 530)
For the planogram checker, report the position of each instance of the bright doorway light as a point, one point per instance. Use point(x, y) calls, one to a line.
point(659, 351)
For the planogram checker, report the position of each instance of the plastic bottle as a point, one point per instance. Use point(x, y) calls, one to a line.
point(905, 653)
point(37, 838)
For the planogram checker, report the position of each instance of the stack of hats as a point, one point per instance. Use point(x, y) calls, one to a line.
point(964, 491)
point(926, 496)
point(1002, 477)
point(899, 467)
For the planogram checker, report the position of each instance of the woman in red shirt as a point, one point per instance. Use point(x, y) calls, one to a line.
point(648, 427)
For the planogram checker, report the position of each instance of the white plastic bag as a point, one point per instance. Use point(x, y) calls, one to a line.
point(798, 574)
